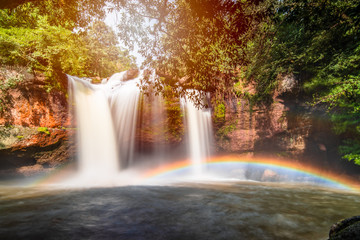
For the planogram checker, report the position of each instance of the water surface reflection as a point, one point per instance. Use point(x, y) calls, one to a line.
point(183, 211)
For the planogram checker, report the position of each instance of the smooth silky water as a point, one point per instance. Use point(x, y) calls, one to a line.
point(223, 210)
point(108, 196)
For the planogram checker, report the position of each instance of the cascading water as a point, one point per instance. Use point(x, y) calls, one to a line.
point(199, 136)
point(97, 150)
point(124, 97)
point(106, 120)
point(106, 117)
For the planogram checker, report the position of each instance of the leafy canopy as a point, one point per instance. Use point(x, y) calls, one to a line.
point(191, 44)
point(56, 36)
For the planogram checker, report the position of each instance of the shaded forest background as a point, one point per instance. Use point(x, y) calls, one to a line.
point(227, 48)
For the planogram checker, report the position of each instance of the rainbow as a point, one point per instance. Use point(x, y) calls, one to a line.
point(169, 170)
point(328, 177)
point(54, 177)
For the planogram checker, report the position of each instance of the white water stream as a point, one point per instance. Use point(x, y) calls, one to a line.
point(97, 148)
point(106, 119)
point(199, 136)
point(124, 98)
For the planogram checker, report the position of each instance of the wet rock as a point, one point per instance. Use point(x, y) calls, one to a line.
point(11, 135)
point(30, 170)
point(42, 138)
point(32, 103)
point(250, 125)
point(37, 152)
point(96, 80)
point(159, 124)
point(35, 124)
point(346, 229)
point(285, 128)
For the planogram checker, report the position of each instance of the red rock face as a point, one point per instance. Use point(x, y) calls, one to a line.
point(251, 128)
point(276, 127)
point(36, 125)
point(38, 153)
point(42, 139)
point(288, 128)
point(31, 105)
point(248, 126)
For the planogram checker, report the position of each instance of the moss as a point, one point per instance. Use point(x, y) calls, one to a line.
point(238, 89)
point(283, 154)
point(219, 113)
point(44, 130)
point(223, 132)
point(175, 127)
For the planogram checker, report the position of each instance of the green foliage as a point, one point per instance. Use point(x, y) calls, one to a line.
point(174, 120)
point(351, 150)
point(222, 132)
point(174, 114)
point(19, 137)
point(47, 49)
point(104, 57)
point(319, 42)
point(219, 113)
point(43, 130)
point(69, 14)
point(42, 37)
point(193, 44)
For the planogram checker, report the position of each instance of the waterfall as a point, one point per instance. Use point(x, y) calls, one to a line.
point(124, 99)
point(106, 119)
point(97, 150)
point(199, 136)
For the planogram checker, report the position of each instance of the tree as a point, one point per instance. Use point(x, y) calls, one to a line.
point(104, 56)
point(192, 44)
point(66, 13)
point(318, 41)
point(44, 37)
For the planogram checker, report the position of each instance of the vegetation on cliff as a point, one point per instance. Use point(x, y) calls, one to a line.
point(317, 42)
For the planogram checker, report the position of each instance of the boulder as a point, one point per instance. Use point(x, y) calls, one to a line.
point(28, 151)
point(346, 229)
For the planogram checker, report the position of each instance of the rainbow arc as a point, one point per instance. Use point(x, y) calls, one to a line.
point(326, 177)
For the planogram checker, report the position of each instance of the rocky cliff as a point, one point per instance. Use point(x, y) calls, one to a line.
point(288, 128)
point(36, 133)
point(35, 127)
